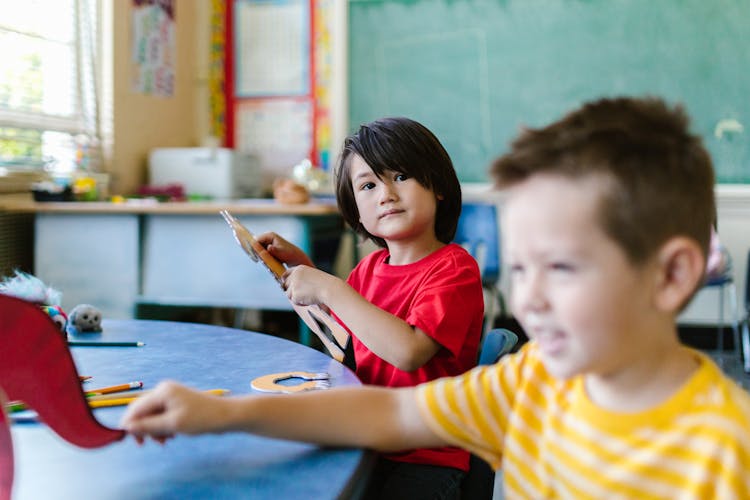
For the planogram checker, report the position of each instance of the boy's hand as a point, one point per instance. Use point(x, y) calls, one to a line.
point(306, 285)
point(171, 409)
point(284, 251)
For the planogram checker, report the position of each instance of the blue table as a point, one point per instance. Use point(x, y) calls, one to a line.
point(231, 466)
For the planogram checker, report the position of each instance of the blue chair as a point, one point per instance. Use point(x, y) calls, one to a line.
point(746, 321)
point(724, 283)
point(478, 232)
point(480, 480)
point(496, 343)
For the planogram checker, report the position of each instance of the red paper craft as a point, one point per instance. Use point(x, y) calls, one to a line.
point(38, 369)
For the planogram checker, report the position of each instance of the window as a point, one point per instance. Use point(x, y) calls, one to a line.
point(49, 85)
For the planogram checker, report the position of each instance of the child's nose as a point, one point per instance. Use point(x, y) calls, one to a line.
point(530, 294)
point(388, 193)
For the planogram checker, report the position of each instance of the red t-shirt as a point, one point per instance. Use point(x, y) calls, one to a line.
point(441, 295)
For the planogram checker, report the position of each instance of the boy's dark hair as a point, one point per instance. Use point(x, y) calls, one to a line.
point(408, 147)
point(662, 177)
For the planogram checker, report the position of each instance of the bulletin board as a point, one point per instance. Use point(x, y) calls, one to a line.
point(277, 80)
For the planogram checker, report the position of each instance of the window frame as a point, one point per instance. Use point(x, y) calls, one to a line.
point(83, 125)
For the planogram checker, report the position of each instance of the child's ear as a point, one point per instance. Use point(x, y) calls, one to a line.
point(681, 266)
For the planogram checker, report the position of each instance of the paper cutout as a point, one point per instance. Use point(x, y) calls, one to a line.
point(38, 369)
point(333, 336)
point(311, 381)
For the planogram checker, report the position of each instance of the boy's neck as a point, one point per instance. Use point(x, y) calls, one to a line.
point(647, 382)
point(402, 253)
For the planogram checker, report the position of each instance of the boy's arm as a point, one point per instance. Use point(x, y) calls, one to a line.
point(368, 417)
point(385, 334)
point(388, 336)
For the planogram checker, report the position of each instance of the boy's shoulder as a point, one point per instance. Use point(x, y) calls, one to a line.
point(708, 391)
point(715, 391)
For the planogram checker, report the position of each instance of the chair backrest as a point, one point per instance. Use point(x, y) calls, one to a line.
point(720, 273)
point(480, 480)
point(478, 233)
point(496, 343)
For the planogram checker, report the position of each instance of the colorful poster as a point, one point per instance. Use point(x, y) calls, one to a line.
point(275, 125)
point(153, 49)
point(272, 48)
point(323, 75)
point(217, 98)
point(277, 131)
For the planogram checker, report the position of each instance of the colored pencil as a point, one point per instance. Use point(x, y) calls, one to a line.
point(125, 401)
point(115, 388)
point(86, 343)
point(116, 395)
point(24, 417)
point(16, 406)
point(84, 378)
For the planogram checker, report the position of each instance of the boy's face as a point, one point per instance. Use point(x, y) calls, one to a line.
point(573, 289)
point(393, 206)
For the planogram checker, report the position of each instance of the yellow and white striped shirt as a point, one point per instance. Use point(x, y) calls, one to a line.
point(553, 442)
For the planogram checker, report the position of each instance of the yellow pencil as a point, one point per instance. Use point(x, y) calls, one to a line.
point(101, 403)
point(116, 395)
point(115, 388)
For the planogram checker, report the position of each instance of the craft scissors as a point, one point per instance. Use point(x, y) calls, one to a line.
point(334, 337)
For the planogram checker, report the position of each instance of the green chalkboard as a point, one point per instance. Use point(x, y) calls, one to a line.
point(474, 71)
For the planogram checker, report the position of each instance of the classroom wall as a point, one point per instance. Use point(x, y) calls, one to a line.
point(142, 122)
point(542, 58)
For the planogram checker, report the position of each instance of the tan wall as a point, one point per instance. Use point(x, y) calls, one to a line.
point(142, 122)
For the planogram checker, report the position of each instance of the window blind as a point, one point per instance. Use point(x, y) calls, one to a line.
point(49, 85)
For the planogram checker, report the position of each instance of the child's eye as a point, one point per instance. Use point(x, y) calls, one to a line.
point(562, 266)
point(400, 177)
point(515, 269)
point(367, 186)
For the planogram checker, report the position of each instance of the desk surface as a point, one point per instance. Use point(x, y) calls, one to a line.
point(250, 206)
point(212, 466)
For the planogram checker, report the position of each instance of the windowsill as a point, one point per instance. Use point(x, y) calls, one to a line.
point(19, 181)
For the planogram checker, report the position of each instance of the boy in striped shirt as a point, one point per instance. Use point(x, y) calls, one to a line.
point(606, 223)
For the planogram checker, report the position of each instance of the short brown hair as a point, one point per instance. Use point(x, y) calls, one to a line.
point(662, 176)
point(406, 146)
